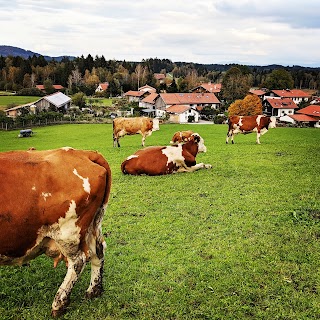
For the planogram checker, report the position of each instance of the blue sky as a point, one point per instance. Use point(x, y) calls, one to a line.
point(250, 32)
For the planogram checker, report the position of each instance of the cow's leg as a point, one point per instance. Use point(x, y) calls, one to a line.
point(116, 141)
point(195, 167)
point(258, 137)
point(143, 139)
point(97, 248)
point(76, 265)
point(230, 134)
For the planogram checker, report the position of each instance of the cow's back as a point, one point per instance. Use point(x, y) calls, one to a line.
point(132, 125)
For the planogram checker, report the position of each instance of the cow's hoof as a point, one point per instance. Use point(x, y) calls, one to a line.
point(208, 166)
point(94, 293)
point(58, 313)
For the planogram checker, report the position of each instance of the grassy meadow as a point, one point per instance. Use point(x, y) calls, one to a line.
point(239, 241)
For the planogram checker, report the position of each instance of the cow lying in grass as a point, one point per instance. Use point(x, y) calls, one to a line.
point(166, 160)
point(181, 136)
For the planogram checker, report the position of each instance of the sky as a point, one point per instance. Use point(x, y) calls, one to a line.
point(248, 32)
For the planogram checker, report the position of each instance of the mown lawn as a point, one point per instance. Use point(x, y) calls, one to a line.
point(6, 101)
point(239, 241)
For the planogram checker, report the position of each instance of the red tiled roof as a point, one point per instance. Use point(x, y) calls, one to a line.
point(189, 98)
point(257, 92)
point(55, 86)
point(283, 103)
point(312, 110)
point(294, 93)
point(177, 109)
point(104, 86)
point(135, 93)
point(303, 118)
point(151, 97)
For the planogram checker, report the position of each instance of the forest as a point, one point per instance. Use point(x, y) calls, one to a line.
point(83, 74)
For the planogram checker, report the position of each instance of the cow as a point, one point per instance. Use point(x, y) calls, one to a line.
point(247, 124)
point(130, 126)
point(53, 202)
point(181, 136)
point(159, 160)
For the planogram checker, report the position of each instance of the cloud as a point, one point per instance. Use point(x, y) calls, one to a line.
point(229, 31)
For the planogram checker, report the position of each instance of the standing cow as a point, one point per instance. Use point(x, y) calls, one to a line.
point(129, 126)
point(246, 124)
point(166, 160)
point(53, 202)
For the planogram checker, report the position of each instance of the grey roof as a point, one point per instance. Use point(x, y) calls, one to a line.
point(58, 99)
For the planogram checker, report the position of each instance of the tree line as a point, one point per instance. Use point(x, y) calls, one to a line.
point(83, 74)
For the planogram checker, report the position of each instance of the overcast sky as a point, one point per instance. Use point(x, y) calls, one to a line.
point(250, 32)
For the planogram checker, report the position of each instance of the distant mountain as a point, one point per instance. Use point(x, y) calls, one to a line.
point(6, 51)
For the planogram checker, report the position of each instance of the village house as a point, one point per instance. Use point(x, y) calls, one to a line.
point(182, 114)
point(148, 105)
point(279, 107)
point(308, 115)
point(258, 92)
point(102, 87)
point(208, 87)
point(57, 87)
point(296, 95)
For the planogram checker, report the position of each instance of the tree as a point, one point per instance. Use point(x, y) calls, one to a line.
point(79, 99)
point(279, 79)
point(236, 83)
point(251, 105)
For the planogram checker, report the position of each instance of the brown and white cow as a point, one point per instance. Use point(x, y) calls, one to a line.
point(181, 136)
point(53, 202)
point(247, 124)
point(160, 160)
point(130, 126)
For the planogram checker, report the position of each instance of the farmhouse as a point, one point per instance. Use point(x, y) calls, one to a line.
point(295, 94)
point(279, 107)
point(309, 115)
point(57, 87)
point(102, 87)
point(182, 114)
point(208, 87)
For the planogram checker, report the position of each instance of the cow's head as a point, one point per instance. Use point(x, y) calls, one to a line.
point(199, 140)
point(155, 126)
point(272, 123)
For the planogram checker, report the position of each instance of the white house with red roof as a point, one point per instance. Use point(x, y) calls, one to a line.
point(279, 107)
point(102, 87)
point(295, 94)
point(182, 114)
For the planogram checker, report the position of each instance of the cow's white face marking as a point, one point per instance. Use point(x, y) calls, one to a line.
point(86, 184)
point(174, 154)
point(132, 156)
point(201, 146)
point(45, 195)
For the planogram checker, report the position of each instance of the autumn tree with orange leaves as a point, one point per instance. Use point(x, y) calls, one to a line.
point(249, 106)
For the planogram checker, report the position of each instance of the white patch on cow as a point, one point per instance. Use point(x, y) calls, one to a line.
point(201, 146)
point(86, 184)
point(174, 155)
point(240, 122)
point(69, 232)
point(45, 195)
point(34, 188)
point(263, 131)
point(132, 156)
point(67, 148)
point(259, 119)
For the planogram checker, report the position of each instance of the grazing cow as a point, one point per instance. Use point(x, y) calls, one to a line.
point(53, 202)
point(165, 160)
point(181, 136)
point(130, 126)
point(247, 124)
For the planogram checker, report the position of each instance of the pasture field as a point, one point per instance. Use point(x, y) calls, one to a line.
point(239, 241)
point(17, 100)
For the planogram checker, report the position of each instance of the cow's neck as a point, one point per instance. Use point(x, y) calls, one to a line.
point(191, 147)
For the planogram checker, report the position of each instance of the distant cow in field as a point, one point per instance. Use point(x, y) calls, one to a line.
point(246, 124)
point(130, 126)
point(53, 202)
point(159, 160)
point(181, 136)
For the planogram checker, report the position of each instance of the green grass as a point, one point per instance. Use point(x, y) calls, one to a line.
point(5, 101)
point(239, 241)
